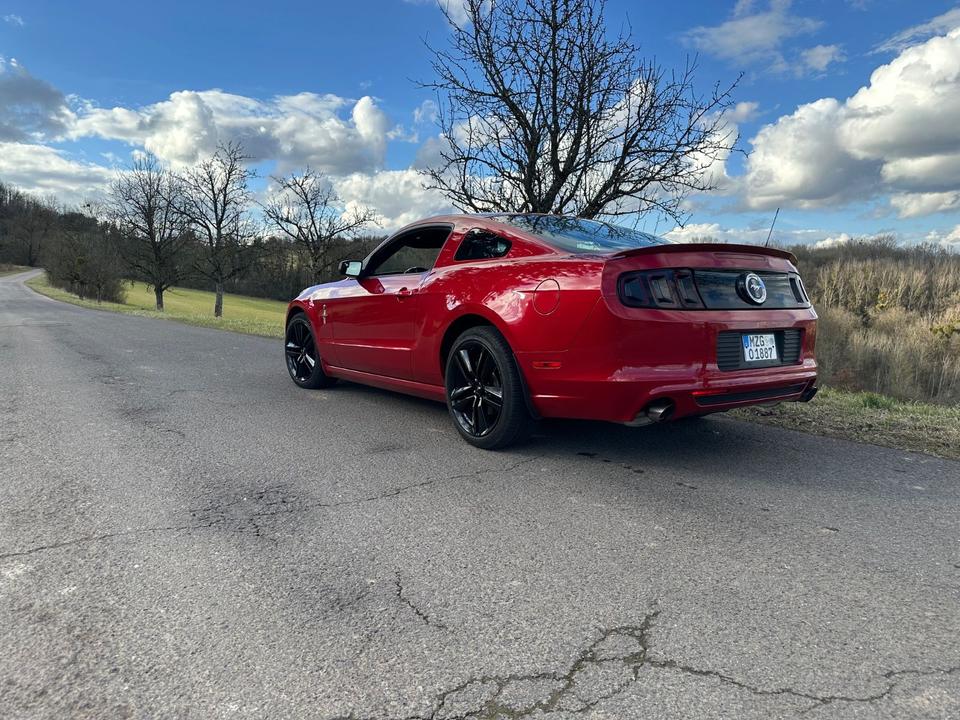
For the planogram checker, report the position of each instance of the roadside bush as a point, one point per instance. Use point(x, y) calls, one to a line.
point(889, 318)
point(84, 261)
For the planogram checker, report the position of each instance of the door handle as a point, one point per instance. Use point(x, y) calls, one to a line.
point(403, 294)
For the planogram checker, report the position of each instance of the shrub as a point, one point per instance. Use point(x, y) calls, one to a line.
point(889, 318)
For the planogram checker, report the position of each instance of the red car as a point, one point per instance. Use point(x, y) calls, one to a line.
point(510, 318)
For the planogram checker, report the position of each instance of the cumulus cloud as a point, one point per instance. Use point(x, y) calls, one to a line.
point(12, 19)
point(294, 130)
point(833, 241)
point(397, 196)
point(753, 36)
point(45, 171)
point(818, 58)
point(898, 135)
point(30, 108)
point(918, 204)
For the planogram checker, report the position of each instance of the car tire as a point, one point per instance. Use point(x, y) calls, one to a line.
point(302, 358)
point(485, 392)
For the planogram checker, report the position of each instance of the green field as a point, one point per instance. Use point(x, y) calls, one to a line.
point(254, 316)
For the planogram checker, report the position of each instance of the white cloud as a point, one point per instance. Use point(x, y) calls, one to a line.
point(798, 161)
point(818, 58)
point(294, 130)
point(918, 204)
point(897, 135)
point(918, 33)
point(457, 9)
point(13, 20)
point(426, 113)
point(699, 232)
point(949, 239)
point(742, 112)
point(752, 37)
point(833, 241)
point(43, 170)
point(397, 196)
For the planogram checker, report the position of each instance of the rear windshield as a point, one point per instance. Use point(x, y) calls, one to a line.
point(577, 235)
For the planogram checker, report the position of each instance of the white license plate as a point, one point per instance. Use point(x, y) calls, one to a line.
point(759, 348)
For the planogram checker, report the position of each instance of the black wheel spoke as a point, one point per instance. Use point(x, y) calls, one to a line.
point(481, 366)
point(466, 367)
point(494, 396)
point(475, 390)
point(461, 393)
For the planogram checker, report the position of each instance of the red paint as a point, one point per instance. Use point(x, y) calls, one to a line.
point(582, 352)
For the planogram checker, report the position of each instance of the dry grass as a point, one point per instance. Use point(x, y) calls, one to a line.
point(870, 418)
point(889, 319)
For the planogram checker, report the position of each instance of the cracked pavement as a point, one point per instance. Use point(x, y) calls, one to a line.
point(184, 533)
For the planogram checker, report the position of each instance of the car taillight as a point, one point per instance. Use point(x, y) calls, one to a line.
point(799, 291)
point(660, 289)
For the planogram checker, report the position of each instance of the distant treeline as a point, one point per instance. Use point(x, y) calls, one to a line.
point(889, 314)
point(85, 252)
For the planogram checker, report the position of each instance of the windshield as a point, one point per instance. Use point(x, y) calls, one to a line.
point(577, 235)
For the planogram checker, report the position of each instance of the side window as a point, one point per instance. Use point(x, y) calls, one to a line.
point(414, 252)
point(482, 245)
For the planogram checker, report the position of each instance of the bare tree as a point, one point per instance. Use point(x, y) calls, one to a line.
point(307, 210)
point(216, 202)
point(541, 110)
point(145, 205)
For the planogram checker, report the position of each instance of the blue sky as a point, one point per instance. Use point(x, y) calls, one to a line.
point(82, 85)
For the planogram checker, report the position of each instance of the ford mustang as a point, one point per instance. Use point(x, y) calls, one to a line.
point(511, 318)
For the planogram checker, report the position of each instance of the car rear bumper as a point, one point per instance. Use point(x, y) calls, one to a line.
point(620, 367)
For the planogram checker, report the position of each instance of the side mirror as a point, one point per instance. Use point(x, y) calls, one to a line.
point(351, 268)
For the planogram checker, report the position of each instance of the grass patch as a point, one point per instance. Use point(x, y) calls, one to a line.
point(253, 316)
point(8, 269)
point(869, 418)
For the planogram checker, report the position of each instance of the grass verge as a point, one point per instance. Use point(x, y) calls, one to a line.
point(7, 269)
point(253, 316)
point(869, 418)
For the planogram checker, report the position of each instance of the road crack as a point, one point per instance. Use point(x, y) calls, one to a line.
point(604, 669)
point(425, 617)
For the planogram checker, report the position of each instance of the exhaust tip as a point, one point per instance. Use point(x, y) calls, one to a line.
point(657, 411)
point(809, 393)
point(660, 410)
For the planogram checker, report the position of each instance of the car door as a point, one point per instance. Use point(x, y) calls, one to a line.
point(376, 320)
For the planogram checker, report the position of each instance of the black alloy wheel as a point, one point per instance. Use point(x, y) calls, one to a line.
point(303, 360)
point(485, 391)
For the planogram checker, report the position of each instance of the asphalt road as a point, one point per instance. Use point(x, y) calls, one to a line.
point(184, 533)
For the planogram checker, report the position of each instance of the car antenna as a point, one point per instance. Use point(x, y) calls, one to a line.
point(771, 227)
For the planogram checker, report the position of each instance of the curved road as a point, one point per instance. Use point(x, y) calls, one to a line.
point(184, 533)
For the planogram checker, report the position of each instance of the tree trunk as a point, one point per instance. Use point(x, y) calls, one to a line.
point(218, 305)
point(158, 293)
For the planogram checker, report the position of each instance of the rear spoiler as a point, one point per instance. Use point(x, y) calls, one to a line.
point(707, 247)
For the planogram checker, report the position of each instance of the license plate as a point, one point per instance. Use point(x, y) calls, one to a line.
point(759, 348)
